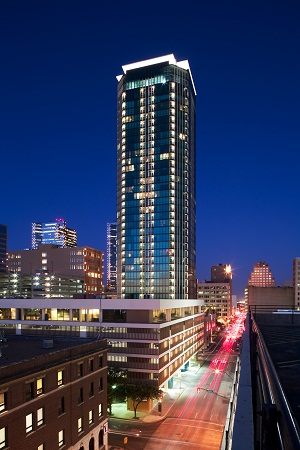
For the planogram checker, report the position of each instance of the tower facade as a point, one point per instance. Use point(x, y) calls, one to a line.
point(111, 259)
point(3, 248)
point(261, 275)
point(156, 254)
point(56, 233)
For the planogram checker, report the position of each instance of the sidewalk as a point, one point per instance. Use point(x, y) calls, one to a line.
point(120, 411)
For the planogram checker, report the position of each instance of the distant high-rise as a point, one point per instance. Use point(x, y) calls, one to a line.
point(217, 293)
point(3, 248)
point(156, 207)
point(221, 273)
point(296, 281)
point(111, 249)
point(261, 275)
point(55, 233)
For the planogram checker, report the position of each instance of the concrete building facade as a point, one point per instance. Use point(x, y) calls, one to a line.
point(150, 340)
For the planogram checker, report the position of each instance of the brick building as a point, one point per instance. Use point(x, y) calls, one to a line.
point(53, 394)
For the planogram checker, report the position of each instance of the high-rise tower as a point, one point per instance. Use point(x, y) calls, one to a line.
point(261, 275)
point(156, 254)
point(56, 233)
point(3, 248)
point(111, 256)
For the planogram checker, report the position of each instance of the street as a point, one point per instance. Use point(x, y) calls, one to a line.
point(196, 420)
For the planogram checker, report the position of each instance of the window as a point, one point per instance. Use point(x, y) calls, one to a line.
point(29, 391)
point(60, 378)
point(100, 361)
point(39, 386)
point(40, 447)
point(91, 417)
point(79, 425)
point(100, 384)
point(40, 417)
point(2, 401)
point(91, 365)
point(80, 370)
point(100, 413)
point(80, 396)
point(91, 391)
point(61, 438)
point(29, 423)
point(2, 437)
point(61, 406)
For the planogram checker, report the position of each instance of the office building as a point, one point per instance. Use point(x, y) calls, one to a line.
point(216, 297)
point(53, 394)
point(217, 292)
point(221, 273)
point(111, 259)
point(152, 341)
point(39, 285)
point(156, 233)
point(83, 262)
point(3, 248)
point(296, 282)
point(261, 275)
point(269, 298)
point(56, 233)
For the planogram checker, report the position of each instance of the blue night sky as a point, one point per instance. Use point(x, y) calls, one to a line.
point(59, 60)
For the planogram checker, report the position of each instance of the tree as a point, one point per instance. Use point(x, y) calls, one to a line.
point(139, 392)
point(116, 379)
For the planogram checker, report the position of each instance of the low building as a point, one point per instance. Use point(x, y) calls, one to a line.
point(151, 340)
point(40, 285)
point(53, 261)
point(53, 394)
point(269, 299)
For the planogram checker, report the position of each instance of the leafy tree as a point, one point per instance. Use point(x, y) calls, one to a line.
point(116, 379)
point(139, 392)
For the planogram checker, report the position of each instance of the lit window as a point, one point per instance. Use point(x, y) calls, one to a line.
point(2, 401)
point(2, 437)
point(29, 423)
point(40, 417)
point(79, 425)
point(60, 378)
point(91, 417)
point(41, 447)
point(40, 386)
point(100, 410)
point(61, 438)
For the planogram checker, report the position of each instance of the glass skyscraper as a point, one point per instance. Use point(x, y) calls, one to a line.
point(56, 233)
point(111, 249)
point(156, 206)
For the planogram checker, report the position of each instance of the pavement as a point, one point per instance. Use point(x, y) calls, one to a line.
point(119, 410)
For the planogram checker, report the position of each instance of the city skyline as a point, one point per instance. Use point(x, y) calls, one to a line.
point(58, 117)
